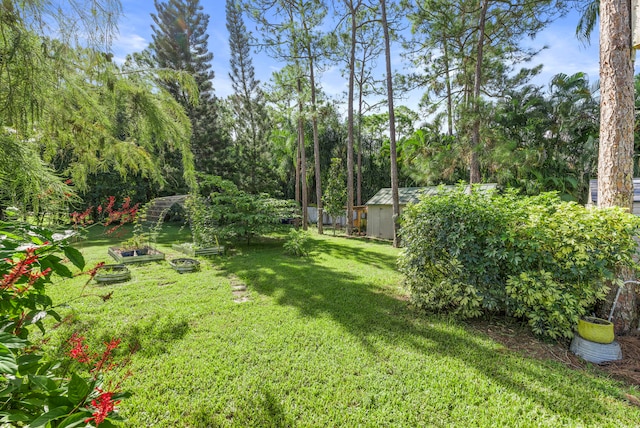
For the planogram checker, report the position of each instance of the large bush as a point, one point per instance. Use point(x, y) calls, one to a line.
point(533, 257)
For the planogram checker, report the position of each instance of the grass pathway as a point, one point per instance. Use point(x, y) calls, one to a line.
point(321, 341)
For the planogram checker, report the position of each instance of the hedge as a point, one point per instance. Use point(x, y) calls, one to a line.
point(536, 257)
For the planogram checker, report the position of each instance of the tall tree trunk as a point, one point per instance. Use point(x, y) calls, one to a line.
point(352, 64)
point(392, 128)
point(303, 159)
point(615, 158)
point(359, 157)
point(449, 93)
point(316, 142)
point(297, 183)
point(474, 163)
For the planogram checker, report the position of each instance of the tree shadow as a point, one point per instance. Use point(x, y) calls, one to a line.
point(259, 408)
point(370, 257)
point(154, 336)
point(371, 313)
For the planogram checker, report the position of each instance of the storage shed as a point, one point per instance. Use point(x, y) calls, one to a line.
point(380, 207)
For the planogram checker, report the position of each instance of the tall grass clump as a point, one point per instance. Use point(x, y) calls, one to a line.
point(534, 257)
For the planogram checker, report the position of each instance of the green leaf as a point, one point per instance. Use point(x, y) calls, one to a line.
point(28, 363)
point(51, 415)
point(54, 401)
point(78, 389)
point(75, 257)
point(35, 316)
point(56, 316)
point(10, 388)
point(76, 419)
point(13, 416)
point(44, 383)
point(8, 363)
point(54, 262)
point(12, 341)
point(121, 395)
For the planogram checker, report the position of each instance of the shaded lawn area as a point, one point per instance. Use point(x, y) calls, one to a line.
point(327, 340)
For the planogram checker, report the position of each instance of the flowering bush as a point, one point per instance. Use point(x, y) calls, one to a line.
point(34, 390)
point(107, 215)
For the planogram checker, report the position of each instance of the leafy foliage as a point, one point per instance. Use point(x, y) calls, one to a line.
point(37, 391)
point(72, 112)
point(298, 243)
point(335, 191)
point(549, 141)
point(534, 257)
point(232, 213)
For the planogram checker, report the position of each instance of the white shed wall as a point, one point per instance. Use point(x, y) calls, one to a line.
point(380, 221)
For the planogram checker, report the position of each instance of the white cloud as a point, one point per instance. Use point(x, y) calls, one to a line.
point(565, 54)
point(222, 84)
point(129, 43)
point(333, 83)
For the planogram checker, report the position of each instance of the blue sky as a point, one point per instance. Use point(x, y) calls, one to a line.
point(565, 54)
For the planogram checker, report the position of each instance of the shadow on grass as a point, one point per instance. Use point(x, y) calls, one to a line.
point(154, 336)
point(262, 409)
point(370, 257)
point(372, 314)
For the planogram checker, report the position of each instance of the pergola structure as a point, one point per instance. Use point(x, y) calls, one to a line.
point(160, 206)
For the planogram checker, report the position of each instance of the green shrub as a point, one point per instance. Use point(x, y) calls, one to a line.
point(229, 212)
point(552, 308)
point(533, 257)
point(298, 243)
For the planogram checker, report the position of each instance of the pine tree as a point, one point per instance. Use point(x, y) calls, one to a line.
point(251, 122)
point(616, 148)
point(180, 43)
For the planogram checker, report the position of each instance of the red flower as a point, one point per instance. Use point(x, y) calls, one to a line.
point(22, 268)
point(112, 201)
point(34, 276)
point(79, 351)
point(102, 406)
point(83, 218)
point(94, 271)
point(105, 360)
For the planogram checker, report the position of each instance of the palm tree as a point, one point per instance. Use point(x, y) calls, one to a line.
point(587, 21)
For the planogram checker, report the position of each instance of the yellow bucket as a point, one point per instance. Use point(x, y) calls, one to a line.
point(596, 330)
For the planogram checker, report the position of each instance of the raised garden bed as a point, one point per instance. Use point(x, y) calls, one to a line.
point(126, 257)
point(193, 250)
point(184, 264)
point(108, 274)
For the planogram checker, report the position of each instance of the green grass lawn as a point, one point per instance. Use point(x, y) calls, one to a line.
point(323, 341)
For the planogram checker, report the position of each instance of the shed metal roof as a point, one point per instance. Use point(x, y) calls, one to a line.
point(412, 194)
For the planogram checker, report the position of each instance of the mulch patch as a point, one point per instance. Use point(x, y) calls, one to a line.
point(517, 337)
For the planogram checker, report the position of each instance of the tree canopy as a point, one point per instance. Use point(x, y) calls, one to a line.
point(70, 111)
